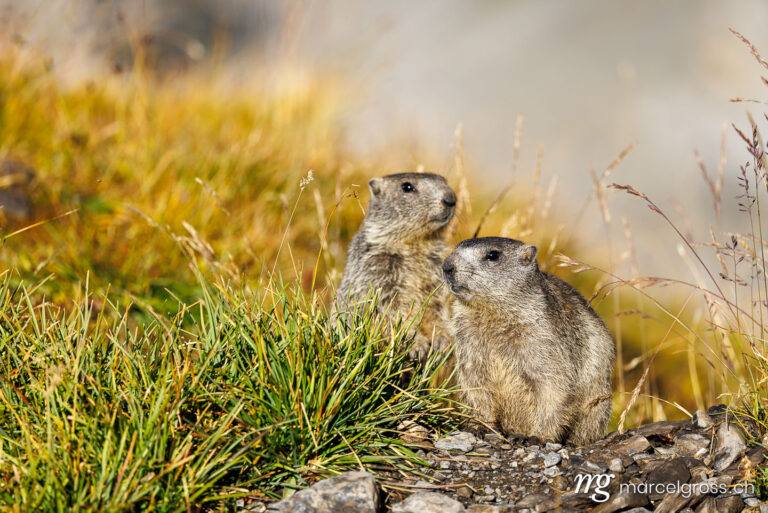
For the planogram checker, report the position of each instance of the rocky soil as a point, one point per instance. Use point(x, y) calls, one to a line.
point(699, 465)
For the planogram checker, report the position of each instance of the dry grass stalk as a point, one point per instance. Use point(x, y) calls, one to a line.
point(751, 47)
point(464, 203)
point(599, 189)
point(527, 223)
point(548, 198)
point(615, 162)
point(505, 190)
point(713, 186)
point(641, 381)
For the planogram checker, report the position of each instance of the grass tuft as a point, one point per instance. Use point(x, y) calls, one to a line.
point(224, 399)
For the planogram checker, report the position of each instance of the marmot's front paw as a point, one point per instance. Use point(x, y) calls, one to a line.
point(420, 349)
point(441, 344)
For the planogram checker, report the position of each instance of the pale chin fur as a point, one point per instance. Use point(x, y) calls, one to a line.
point(443, 220)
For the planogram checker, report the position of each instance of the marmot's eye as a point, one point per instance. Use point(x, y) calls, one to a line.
point(492, 255)
point(408, 187)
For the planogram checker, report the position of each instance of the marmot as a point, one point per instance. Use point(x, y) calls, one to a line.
point(531, 356)
point(399, 249)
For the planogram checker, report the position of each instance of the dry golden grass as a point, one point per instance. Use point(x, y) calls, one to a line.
point(149, 176)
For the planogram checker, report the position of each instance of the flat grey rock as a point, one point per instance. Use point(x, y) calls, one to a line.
point(729, 447)
point(461, 442)
point(352, 492)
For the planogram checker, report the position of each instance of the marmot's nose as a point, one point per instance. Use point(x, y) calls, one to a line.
point(449, 200)
point(448, 269)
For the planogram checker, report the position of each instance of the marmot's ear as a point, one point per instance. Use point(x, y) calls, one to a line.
point(375, 185)
point(528, 255)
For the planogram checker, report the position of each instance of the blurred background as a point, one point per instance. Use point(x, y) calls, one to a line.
point(589, 77)
point(156, 133)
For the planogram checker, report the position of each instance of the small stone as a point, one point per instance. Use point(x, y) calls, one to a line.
point(257, 507)
point(507, 447)
point(702, 420)
point(593, 467)
point(552, 472)
point(239, 503)
point(519, 452)
point(552, 446)
point(552, 459)
point(690, 444)
point(752, 501)
point(633, 445)
point(662, 429)
point(428, 502)
point(732, 504)
point(460, 441)
point(351, 491)
point(664, 451)
point(445, 464)
point(465, 492)
point(615, 465)
point(730, 446)
point(757, 455)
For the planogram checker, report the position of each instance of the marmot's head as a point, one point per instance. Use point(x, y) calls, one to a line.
point(408, 206)
point(492, 268)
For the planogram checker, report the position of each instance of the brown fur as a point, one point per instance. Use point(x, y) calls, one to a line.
point(398, 252)
point(531, 356)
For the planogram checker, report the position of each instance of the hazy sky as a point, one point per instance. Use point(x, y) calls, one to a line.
point(590, 77)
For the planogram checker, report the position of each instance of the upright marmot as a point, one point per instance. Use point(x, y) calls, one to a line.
point(399, 249)
point(531, 356)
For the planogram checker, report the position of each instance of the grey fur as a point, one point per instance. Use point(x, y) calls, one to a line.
point(399, 249)
point(531, 356)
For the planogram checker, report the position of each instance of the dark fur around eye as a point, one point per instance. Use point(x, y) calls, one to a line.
point(408, 187)
point(492, 255)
